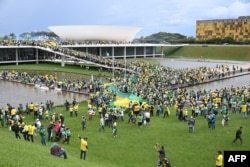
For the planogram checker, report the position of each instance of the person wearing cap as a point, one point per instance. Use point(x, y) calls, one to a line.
point(83, 147)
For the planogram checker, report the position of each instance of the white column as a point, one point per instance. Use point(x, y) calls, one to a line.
point(162, 51)
point(134, 51)
point(153, 51)
point(144, 50)
point(113, 63)
point(125, 61)
point(16, 56)
point(63, 60)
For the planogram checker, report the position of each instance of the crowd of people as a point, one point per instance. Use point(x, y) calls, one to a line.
point(160, 88)
point(187, 107)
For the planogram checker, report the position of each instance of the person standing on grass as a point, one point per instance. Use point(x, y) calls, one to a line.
point(83, 147)
point(42, 133)
point(50, 130)
point(101, 124)
point(31, 132)
point(67, 135)
point(16, 129)
point(191, 123)
point(76, 107)
point(139, 119)
point(238, 135)
point(160, 149)
point(114, 129)
point(244, 111)
point(83, 123)
point(219, 159)
point(147, 117)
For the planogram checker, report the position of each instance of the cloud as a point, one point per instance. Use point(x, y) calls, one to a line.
point(234, 10)
point(152, 15)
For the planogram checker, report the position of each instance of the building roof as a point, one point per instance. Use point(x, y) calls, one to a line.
point(95, 32)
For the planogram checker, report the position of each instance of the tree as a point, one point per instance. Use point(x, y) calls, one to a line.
point(12, 36)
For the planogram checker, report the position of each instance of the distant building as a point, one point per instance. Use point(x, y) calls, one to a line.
point(238, 29)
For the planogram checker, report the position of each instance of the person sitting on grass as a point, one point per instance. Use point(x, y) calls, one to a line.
point(56, 150)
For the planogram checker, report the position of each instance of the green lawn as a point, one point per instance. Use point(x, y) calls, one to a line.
point(133, 147)
point(56, 67)
point(216, 52)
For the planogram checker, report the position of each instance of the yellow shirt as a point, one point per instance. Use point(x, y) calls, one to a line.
point(13, 112)
point(219, 160)
point(75, 107)
point(31, 129)
point(243, 108)
point(31, 106)
point(84, 145)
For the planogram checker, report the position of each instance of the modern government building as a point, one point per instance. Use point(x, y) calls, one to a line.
point(238, 29)
point(105, 41)
point(110, 42)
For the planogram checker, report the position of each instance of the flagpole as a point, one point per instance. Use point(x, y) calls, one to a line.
point(125, 64)
point(113, 63)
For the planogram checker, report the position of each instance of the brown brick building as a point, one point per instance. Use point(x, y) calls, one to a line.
point(238, 29)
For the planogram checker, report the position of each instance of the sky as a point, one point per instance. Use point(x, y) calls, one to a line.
point(152, 16)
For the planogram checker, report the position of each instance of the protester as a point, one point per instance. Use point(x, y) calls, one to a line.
point(163, 161)
point(67, 135)
point(58, 151)
point(191, 123)
point(219, 159)
point(83, 147)
point(101, 124)
point(160, 149)
point(114, 128)
point(31, 132)
point(238, 135)
point(16, 129)
point(42, 133)
point(83, 123)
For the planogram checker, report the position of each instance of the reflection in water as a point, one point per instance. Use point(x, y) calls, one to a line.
point(16, 93)
point(236, 82)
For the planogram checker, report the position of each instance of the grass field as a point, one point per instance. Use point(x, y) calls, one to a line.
point(134, 147)
point(55, 67)
point(216, 52)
